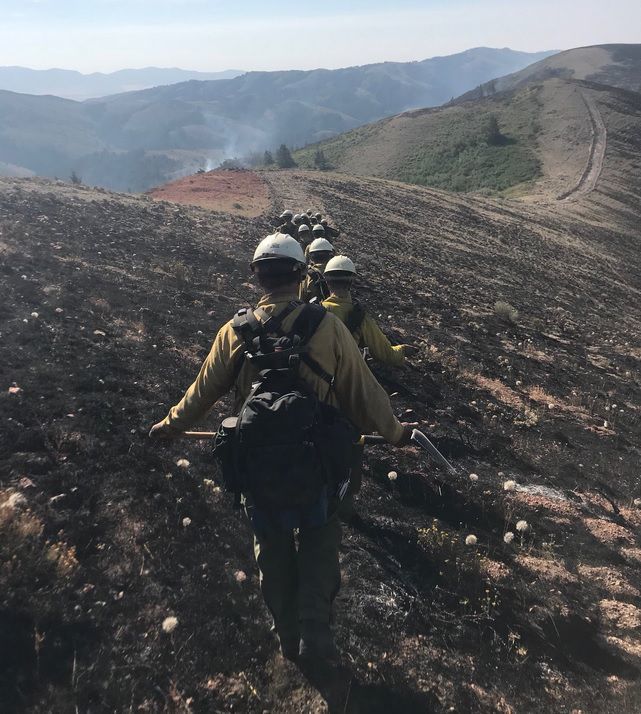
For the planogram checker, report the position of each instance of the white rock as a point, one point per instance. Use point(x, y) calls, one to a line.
point(169, 624)
point(508, 537)
point(186, 522)
point(35, 315)
point(183, 464)
point(471, 540)
point(522, 526)
point(59, 310)
point(392, 475)
point(509, 486)
point(474, 477)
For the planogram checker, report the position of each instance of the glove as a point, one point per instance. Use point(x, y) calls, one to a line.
point(162, 430)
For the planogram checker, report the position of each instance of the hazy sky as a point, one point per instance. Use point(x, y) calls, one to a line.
point(104, 35)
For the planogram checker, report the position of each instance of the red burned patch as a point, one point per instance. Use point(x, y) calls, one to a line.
point(241, 192)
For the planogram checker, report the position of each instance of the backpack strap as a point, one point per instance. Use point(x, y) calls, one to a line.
point(272, 323)
point(246, 325)
point(308, 321)
point(355, 317)
point(249, 327)
point(306, 325)
point(318, 282)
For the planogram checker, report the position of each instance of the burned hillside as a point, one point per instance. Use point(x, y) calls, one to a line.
point(109, 304)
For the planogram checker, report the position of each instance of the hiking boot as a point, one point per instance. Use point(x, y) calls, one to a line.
point(316, 641)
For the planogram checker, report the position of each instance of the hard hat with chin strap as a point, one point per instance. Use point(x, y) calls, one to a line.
point(340, 264)
point(279, 246)
point(321, 245)
point(304, 228)
point(318, 228)
point(286, 214)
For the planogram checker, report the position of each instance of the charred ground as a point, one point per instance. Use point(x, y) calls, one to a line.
point(95, 549)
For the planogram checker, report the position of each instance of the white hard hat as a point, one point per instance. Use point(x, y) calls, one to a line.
point(340, 264)
point(318, 228)
point(279, 246)
point(319, 245)
point(286, 214)
point(304, 228)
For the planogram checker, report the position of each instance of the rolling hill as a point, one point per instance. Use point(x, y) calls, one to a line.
point(70, 84)
point(136, 140)
point(613, 65)
point(534, 138)
point(108, 305)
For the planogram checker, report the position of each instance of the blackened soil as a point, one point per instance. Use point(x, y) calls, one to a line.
point(103, 535)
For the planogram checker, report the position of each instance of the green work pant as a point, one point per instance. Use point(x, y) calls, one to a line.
point(299, 581)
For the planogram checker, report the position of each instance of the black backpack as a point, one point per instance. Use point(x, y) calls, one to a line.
point(286, 447)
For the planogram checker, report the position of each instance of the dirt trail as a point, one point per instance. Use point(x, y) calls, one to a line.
point(590, 177)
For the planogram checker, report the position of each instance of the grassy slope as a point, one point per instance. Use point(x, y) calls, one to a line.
point(445, 148)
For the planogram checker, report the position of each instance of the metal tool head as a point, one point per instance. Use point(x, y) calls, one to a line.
point(421, 440)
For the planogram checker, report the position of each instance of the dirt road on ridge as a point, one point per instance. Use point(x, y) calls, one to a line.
point(590, 176)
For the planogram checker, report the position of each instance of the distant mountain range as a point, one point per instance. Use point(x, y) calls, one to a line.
point(529, 132)
point(139, 139)
point(75, 85)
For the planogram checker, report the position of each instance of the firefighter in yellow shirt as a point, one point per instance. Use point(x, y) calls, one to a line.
point(340, 274)
point(299, 577)
point(318, 252)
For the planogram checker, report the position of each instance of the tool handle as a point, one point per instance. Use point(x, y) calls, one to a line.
point(371, 439)
point(365, 438)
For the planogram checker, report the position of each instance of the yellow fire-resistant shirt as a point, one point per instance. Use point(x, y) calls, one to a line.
point(369, 334)
point(355, 392)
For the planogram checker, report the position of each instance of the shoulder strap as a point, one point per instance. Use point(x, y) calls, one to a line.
point(317, 279)
point(355, 317)
point(248, 327)
point(306, 325)
point(308, 321)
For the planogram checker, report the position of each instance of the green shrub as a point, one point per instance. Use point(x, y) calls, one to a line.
point(505, 311)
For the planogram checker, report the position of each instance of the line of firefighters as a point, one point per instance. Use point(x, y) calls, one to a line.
point(297, 549)
point(329, 281)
